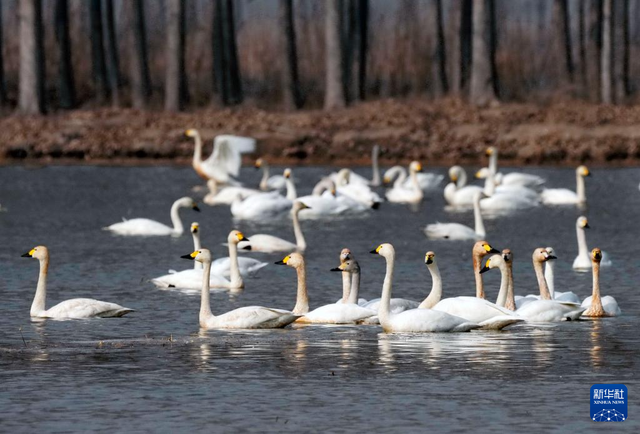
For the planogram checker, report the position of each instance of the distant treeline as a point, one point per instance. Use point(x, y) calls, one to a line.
point(291, 54)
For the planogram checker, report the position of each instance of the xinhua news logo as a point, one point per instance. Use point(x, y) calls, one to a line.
point(609, 402)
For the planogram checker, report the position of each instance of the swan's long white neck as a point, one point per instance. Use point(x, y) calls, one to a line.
point(265, 176)
point(205, 303)
point(542, 282)
point(375, 180)
point(583, 251)
point(322, 186)
point(175, 219)
point(355, 286)
point(477, 216)
point(38, 305)
point(549, 277)
point(493, 162)
point(580, 190)
point(292, 194)
point(462, 178)
point(596, 301)
point(301, 243)
point(490, 184)
point(346, 286)
point(477, 262)
point(385, 301)
point(197, 150)
point(511, 299)
point(196, 246)
point(302, 297)
point(436, 288)
point(234, 272)
point(398, 172)
point(415, 185)
point(504, 285)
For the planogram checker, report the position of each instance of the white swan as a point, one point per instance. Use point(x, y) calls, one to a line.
point(507, 198)
point(480, 250)
point(489, 315)
point(457, 231)
point(324, 202)
point(192, 278)
point(546, 309)
point(583, 261)
point(509, 179)
point(147, 227)
point(226, 158)
point(334, 313)
point(427, 181)
point(358, 192)
point(249, 317)
point(269, 243)
point(413, 320)
point(596, 305)
point(413, 194)
point(457, 193)
point(226, 195)
point(549, 276)
point(564, 196)
point(266, 205)
point(354, 178)
point(76, 308)
point(275, 182)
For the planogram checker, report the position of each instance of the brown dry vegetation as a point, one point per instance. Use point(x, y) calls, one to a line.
point(437, 132)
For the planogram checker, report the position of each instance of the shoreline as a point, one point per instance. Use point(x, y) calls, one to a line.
point(439, 133)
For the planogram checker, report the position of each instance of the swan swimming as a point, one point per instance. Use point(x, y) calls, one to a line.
point(398, 175)
point(583, 261)
point(354, 178)
point(509, 179)
point(413, 320)
point(265, 205)
point(148, 227)
point(248, 317)
point(358, 192)
point(226, 195)
point(411, 194)
point(564, 196)
point(275, 182)
point(491, 316)
point(75, 308)
point(226, 158)
point(457, 231)
point(478, 252)
point(269, 243)
point(595, 305)
point(457, 192)
point(334, 313)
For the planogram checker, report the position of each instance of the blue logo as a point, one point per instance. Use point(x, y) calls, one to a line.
point(609, 402)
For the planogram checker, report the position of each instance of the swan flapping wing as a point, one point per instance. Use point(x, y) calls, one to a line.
point(226, 158)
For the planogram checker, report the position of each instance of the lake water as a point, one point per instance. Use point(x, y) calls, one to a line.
point(155, 371)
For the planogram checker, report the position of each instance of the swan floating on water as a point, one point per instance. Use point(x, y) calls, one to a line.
point(249, 317)
point(225, 195)
point(148, 227)
point(564, 196)
point(596, 305)
point(275, 182)
point(411, 194)
point(583, 261)
point(413, 320)
point(457, 192)
point(517, 179)
point(265, 205)
point(76, 308)
point(426, 181)
point(457, 231)
point(268, 243)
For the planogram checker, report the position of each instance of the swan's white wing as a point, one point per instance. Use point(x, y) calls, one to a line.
point(566, 296)
point(140, 226)
point(252, 317)
point(473, 309)
point(522, 179)
point(427, 181)
point(247, 266)
point(78, 308)
point(428, 320)
point(319, 206)
point(450, 231)
point(550, 311)
point(396, 305)
point(609, 304)
point(259, 206)
point(189, 279)
point(226, 158)
point(558, 196)
point(276, 182)
point(346, 313)
point(266, 243)
point(227, 195)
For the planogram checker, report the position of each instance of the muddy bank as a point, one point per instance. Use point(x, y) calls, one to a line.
point(439, 133)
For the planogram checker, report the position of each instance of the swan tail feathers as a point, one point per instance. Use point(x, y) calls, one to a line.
point(500, 322)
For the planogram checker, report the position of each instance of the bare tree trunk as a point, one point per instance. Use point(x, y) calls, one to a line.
point(466, 46)
point(562, 41)
point(438, 49)
point(493, 46)
point(175, 83)
point(481, 91)
point(66, 80)
point(362, 31)
point(593, 46)
point(31, 99)
point(582, 44)
point(620, 49)
point(219, 75)
point(98, 67)
point(606, 94)
point(139, 63)
point(347, 41)
point(111, 51)
point(334, 92)
point(290, 81)
point(231, 54)
point(455, 47)
point(3, 84)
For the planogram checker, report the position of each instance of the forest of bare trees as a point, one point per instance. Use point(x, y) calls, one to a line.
point(291, 54)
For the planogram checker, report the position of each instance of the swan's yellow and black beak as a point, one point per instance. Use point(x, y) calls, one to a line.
point(550, 257)
point(489, 152)
point(241, 237)
point(486, 267)
point(29, 254)
point(386, 180)
point(597, 254)
point(338, 268)
point(190, 133)
point(376, 251)
point(195, 228)
point(428, 259)
point(195, 207)
point(490, 249)
point(258, 163)
point(586, 226)
point(191, 256)
point(287, 173)
point(284, 260)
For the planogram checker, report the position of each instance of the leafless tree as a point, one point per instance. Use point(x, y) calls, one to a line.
point(3, 84)
point(98, 66)
point(31, 98)
point(606, 73)
point(481, 91)
point(111, 51)
point(334, 91)
point(139, 63)
point(561, 33)
point(438, 49)
point(175, 83)
point(292, 98)
point(66, 81)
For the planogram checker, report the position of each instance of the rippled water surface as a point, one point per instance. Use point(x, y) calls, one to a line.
point(154, 370)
